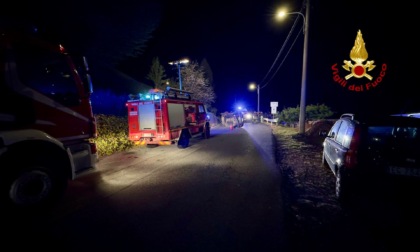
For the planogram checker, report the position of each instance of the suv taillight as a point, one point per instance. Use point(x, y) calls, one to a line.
point(350, 159)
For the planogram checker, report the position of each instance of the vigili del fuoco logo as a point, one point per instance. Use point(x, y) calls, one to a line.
point(359, 67)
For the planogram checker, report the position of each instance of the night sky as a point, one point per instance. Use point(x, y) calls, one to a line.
point(243, 42)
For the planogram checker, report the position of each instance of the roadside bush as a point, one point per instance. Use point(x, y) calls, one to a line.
point(112, 134)
point(317, 112)
point(290, 116)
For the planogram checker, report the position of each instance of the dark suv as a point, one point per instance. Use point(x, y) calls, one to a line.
point(361, 150)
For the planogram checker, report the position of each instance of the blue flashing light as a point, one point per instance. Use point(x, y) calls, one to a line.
point(157, 96)
point(150, 96)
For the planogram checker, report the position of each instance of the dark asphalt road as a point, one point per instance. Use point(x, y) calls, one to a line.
point(219, 194)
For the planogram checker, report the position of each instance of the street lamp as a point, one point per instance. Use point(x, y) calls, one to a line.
point(253, 86)
point(304, 64)
point(178, 63)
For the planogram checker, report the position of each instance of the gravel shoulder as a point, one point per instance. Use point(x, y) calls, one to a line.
point(308, 189)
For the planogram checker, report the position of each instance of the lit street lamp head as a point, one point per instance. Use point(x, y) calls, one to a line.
point(178, 64)
point(253, 86)
point(281, 14)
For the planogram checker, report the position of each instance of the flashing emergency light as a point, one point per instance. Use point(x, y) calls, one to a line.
point(150, 96)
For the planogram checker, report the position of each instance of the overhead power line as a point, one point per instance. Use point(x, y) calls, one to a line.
point(270, 74)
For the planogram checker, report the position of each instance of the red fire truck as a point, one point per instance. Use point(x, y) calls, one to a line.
point(46, 120)
point(166, 117)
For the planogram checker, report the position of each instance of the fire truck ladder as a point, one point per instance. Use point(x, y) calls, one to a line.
point(159, 116)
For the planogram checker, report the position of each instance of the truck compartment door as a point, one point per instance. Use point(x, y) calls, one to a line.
point(147, 116)
point(176, 115)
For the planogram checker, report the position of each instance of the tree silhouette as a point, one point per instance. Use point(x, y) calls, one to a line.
point(157, 74)
point(194, 80)
point(208, 73)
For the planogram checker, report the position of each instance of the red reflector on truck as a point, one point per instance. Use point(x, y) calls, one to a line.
point(93, 148)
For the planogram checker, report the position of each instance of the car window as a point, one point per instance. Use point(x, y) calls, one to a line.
point(380, 132)
point(405, 132)
point(201, 109)
point(379, 136)
point(415, 141)
point(347, 136)
point(406, 135)
point(334, 129)
point(48, 72)
point(342, 132)
point(406, 146)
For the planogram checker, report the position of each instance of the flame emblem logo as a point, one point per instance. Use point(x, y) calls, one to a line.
point(358, 54)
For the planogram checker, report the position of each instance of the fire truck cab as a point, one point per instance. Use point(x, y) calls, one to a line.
point(166, 117)
point(47, 126)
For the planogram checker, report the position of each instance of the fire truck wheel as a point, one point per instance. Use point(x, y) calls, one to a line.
point(206, 132)
point(34, 185)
